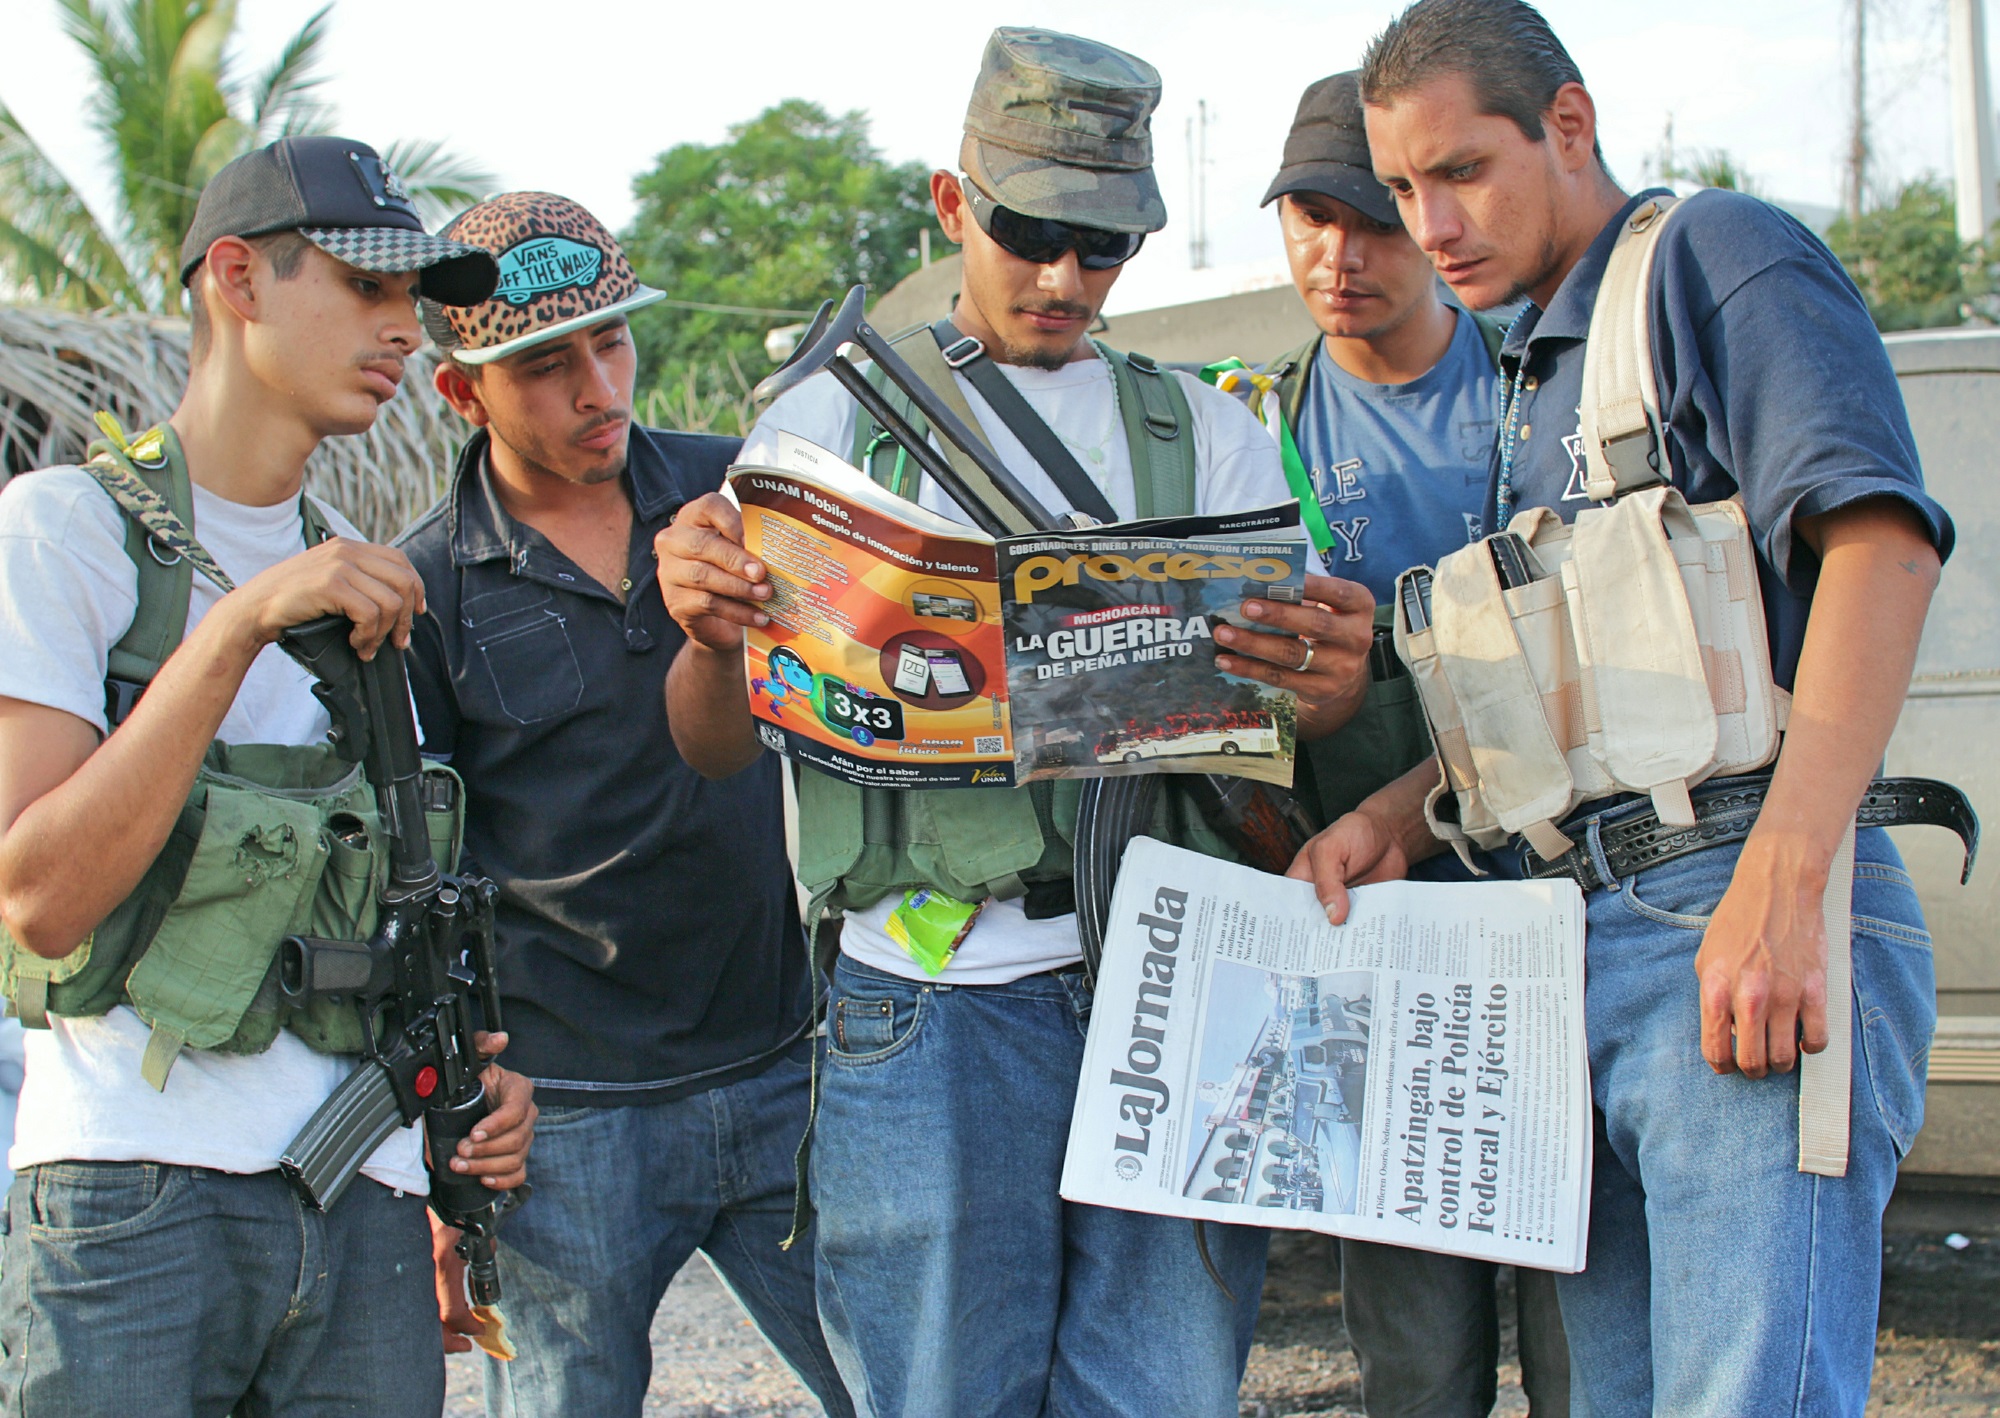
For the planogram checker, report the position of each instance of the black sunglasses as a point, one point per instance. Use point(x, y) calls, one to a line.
point(1044, 241)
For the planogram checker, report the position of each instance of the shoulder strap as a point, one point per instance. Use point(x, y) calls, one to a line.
point(1276, 394)
point(1492, 334)
point(920, 350)
point(1619, 411)
point(968, 357)
point(147, 477)
point(1159, 434)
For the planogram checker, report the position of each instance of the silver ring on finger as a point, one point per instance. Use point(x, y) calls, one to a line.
point(1307, 662)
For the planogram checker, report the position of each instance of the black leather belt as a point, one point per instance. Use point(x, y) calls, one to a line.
point(1725, 809)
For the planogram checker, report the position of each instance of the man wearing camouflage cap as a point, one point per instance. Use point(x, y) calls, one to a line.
point(156, 1260)
point(650, 957)
point(953, 1277)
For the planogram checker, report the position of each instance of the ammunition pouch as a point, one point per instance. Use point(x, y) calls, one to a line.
point(1635, 661)
point(858, 845)
point(273, 841)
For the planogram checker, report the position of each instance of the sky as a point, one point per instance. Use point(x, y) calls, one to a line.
point(580, 97)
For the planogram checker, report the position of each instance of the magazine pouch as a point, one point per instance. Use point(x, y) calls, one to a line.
point(871, 842)
point(290, 842)
point(1520, 768)
point(1653, 725)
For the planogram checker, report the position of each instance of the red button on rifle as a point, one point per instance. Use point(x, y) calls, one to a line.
point(427, 1081)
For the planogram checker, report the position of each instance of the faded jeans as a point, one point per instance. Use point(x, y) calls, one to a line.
point(623, 1199)
point(1720, 1279)
point(137, 1288)
point(953, 1278)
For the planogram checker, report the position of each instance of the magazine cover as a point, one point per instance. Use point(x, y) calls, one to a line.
point(908, 650)
point(1111, 648)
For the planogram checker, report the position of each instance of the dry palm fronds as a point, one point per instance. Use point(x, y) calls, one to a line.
point(58, 368)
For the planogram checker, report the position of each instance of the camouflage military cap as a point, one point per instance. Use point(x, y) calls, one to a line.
point(1060, 127)
point(560, 270)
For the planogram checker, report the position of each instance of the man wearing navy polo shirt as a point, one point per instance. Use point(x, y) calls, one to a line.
point(1720, 1279)
point(650, 957)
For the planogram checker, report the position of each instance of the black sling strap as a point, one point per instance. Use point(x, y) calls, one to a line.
point(968, 356)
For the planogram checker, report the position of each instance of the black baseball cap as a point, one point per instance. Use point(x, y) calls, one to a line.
point(339, 195)
point(1327, 151)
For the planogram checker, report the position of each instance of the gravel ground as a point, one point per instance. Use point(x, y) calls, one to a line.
point(1938, 1352)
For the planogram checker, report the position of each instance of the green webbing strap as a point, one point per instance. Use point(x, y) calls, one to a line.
point(31, 1000)
point(802, 1207)
point(1159, 434)
point(164, 581)
point(162, 1049)
point(1281, 378)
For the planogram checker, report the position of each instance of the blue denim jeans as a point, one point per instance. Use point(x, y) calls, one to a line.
point(623, 1199)
point(1721, 1279)
point(133, 1288)
point(953, 1278)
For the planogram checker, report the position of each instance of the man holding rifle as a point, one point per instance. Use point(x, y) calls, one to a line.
point(155, 1259)
point(952, 1276)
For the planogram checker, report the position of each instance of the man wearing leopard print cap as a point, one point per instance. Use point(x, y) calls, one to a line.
point(650, 956)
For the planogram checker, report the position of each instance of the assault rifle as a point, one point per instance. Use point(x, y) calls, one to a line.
point(412, 981)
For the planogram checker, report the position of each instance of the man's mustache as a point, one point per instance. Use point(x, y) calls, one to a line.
point(1057, 309)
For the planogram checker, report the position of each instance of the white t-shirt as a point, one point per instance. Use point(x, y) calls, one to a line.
point(68, 593)
point(1237, 469)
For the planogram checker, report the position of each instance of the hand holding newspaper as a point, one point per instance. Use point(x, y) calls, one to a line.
point(1416, 1076)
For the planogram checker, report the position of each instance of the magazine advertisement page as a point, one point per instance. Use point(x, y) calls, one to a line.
point(882, 663)
point(1111, 647)
point(907, 650)
point(1415, 1076)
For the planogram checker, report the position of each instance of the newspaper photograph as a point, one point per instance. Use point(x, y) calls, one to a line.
point(1415, 1076)
point(907, 650)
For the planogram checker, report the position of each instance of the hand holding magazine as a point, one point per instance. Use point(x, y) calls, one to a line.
point(908, 650)
point(1416, 1076)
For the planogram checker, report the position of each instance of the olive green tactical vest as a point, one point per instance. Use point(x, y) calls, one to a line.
point(273, 840)
point(858, 845)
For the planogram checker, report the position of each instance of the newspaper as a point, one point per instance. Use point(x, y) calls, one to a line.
point(908, 650)
point(1416, 1076)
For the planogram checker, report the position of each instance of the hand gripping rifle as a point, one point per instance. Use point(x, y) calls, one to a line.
point(412, 981)
point(1266, 825)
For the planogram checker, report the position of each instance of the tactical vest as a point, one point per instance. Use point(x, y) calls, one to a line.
point(1627, 652)
point(273, 840)
point(858, 845)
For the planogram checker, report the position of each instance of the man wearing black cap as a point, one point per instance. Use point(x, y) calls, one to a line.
point(1385, 419)
point(156, 1261)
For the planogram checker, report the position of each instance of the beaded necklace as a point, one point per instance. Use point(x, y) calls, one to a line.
point(1510, 414)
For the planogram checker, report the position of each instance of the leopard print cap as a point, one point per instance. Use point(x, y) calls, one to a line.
point(559, 268)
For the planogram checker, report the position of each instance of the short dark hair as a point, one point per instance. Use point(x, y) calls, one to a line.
point(1504, 48)
point(285, 250)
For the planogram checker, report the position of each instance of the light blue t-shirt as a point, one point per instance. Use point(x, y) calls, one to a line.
point(1401, 469)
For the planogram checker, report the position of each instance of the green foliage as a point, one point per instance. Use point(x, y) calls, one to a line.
point(795, 207)
point(1913, 270)
point(172, 110)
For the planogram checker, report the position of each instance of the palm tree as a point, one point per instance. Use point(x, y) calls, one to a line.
point(172, 108)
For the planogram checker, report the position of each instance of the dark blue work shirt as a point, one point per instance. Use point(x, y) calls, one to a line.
point(648, 935)
point(1773, 382)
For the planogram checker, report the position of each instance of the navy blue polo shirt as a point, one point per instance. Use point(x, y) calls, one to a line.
point(1773, 383)
point(648, 936)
